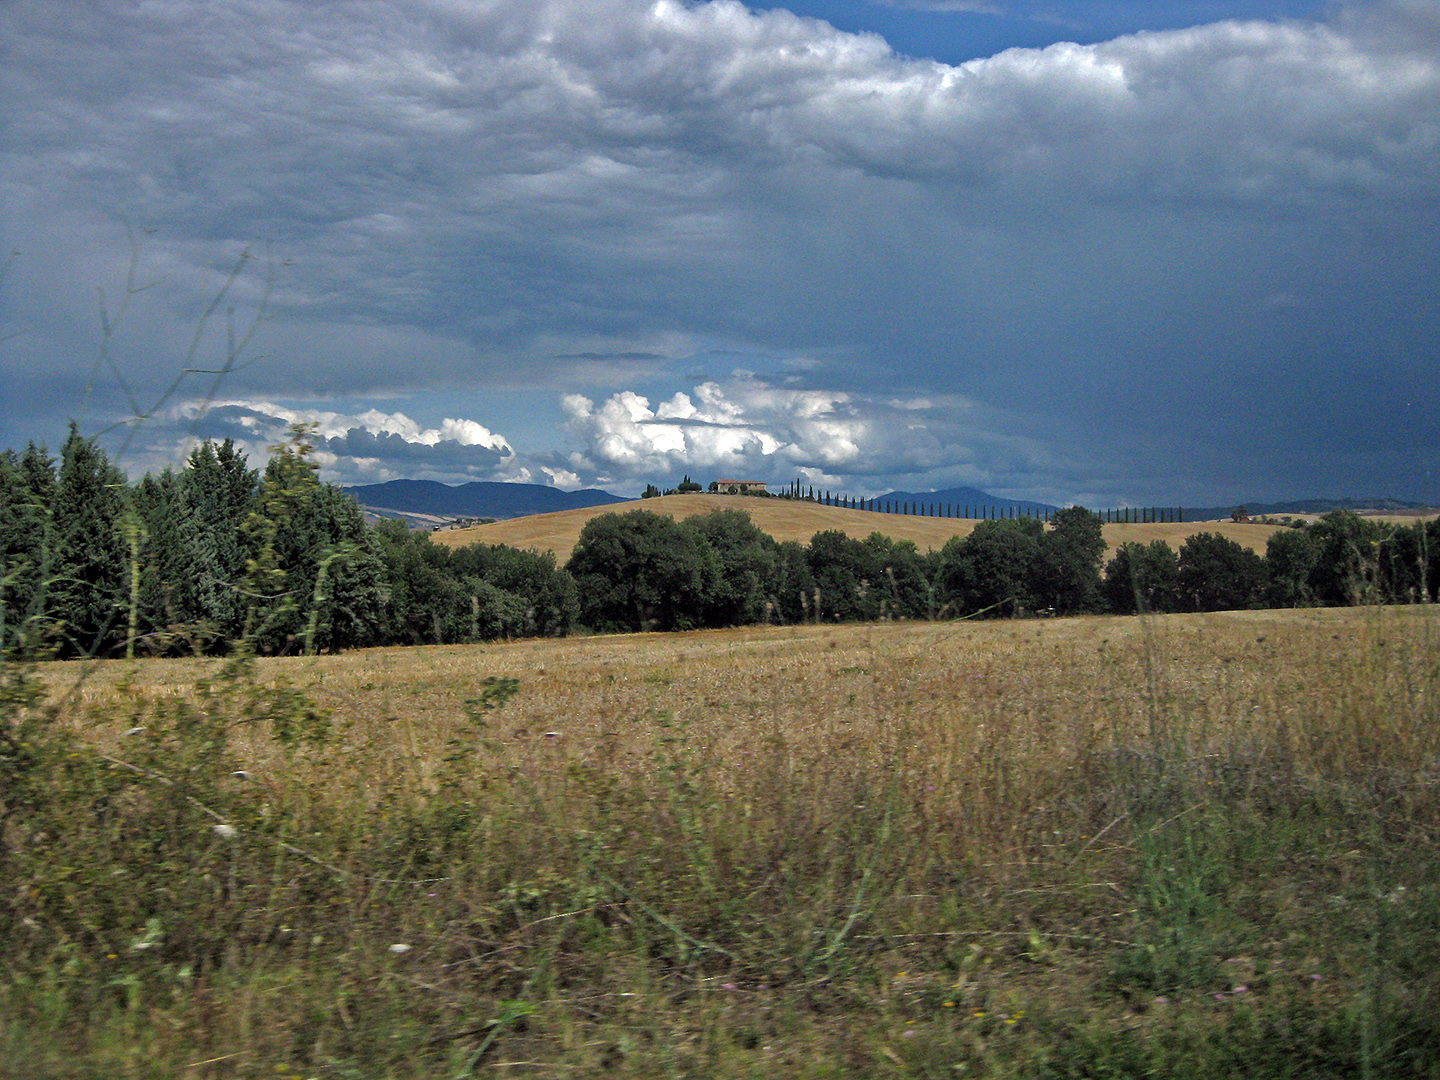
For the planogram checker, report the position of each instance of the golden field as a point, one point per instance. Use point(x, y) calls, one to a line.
point(787, 520)
point(1186, 845)
point(1039, 692)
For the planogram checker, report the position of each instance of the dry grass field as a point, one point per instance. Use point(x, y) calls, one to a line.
point(1181, 846)
point(787, 520)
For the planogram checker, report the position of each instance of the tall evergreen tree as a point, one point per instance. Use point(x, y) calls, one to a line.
point(87, 586)
point(219, 493)
point(313, 579)
point(26, 549)
point(153, 524)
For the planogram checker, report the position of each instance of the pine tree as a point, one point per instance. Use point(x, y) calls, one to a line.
point(25, 543)
point(87, 588)
point(219, 493)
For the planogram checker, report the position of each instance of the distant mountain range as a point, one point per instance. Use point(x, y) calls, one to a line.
point(425, 502)
point(974, 498)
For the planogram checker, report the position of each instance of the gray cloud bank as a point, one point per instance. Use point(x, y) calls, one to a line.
point(1163, 267)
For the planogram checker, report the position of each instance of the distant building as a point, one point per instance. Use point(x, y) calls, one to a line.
point(738, 487)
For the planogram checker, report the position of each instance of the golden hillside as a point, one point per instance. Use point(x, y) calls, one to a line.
point(787, 520)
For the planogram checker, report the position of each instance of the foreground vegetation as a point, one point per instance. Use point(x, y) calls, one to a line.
point(1180, 846)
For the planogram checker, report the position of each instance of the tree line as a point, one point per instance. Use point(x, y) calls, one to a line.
point(217, 555)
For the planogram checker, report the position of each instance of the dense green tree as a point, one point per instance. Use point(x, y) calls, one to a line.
point(747, 561)
point(1347, 567)
point(346, 587)
point(474, 593)
point(87, 592)
point(1142, 578)
point(904, 578)
point(219, 493)
point(641, 571)
point(1290, 558)
point(12, 500)
point(545, 593)
point(847, 577)
point(166, 599)
point(27, 491)
point(1406, 569)
point(1071, 553)
point(313, 579)
point(793, 588)
point(418, 573)
point(1217, 574)
point(992, 571)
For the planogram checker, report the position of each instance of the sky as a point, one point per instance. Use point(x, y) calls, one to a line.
point(1111, 252)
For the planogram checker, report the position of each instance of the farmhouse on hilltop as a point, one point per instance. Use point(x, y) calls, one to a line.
point(738, 487)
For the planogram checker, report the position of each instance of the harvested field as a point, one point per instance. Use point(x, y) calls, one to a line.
point(787, 520)
point(980, 848)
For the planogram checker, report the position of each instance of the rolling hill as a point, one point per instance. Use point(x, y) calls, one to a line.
point(787, 520)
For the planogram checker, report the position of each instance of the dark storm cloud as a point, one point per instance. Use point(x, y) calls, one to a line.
point(394, 451)
point(1183, 241)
